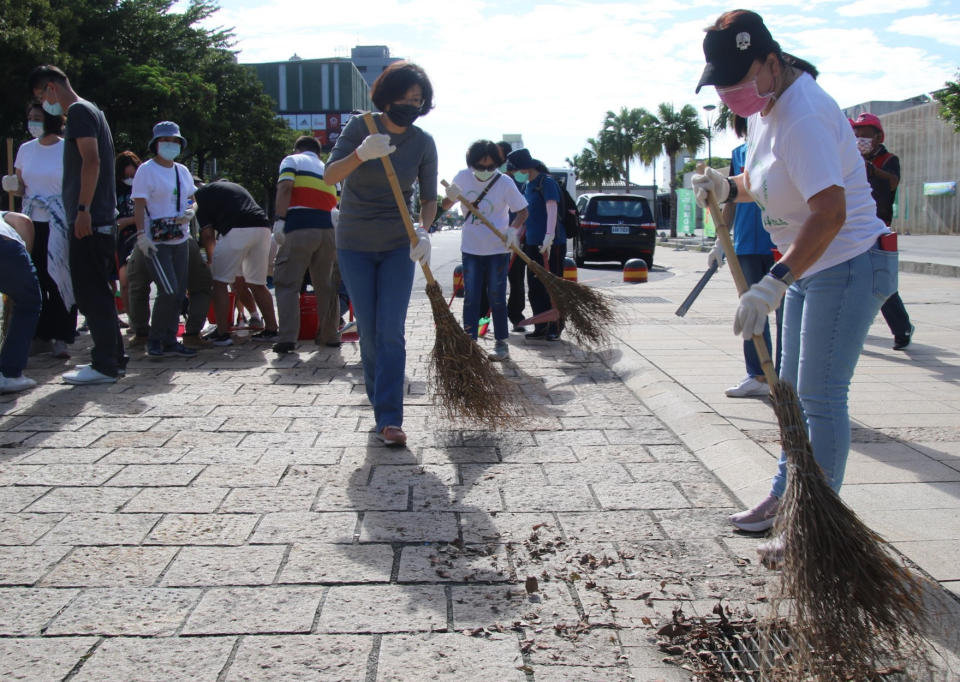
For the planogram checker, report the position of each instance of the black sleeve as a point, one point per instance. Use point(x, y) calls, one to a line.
point(81, 122)
point(892, 165)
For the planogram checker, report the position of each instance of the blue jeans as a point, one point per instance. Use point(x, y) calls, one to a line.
point(18, 280)
point(825, 321)
point(755, 266)
point(379, 284)
point(485, 273)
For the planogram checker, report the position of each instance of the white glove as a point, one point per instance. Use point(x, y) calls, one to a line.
point(145, 244)
point(547, 243)
point(756, 304)
point(11, 183)
point(334, 216)
point(453, 192)
point(513, 238)
point(421, 252)
point(187, 215)
point(374, 146)
point(713, 181)
point(715, 255)
point(278, 235)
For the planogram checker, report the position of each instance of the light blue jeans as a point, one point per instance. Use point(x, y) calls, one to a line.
point(825, 322)
point(379, 284)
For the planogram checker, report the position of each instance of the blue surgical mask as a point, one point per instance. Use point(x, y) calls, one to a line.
point(55, 109)
point(35, 128)
point(521, 177)
point(168, 150)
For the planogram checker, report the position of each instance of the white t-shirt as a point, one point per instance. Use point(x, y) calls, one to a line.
point(802, 147)
point(503, 197)
point(7, 230)
point(158, 186)
point(41, 167)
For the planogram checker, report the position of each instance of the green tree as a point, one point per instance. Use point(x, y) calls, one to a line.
point(591, 167)
point(618, 138)
point(949, 98)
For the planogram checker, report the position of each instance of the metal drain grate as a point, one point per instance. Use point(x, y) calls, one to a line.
point(641, 299)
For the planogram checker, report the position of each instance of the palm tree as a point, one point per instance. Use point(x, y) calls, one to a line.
point(618, 139)
point(591, 167)
point(675, 130)
point(648, 148)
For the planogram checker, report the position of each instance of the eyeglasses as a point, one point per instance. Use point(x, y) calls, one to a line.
point(490, 167)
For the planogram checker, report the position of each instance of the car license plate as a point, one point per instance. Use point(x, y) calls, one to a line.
point(619, 229)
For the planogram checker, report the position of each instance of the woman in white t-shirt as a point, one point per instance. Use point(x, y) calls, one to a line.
point(163, 208)
point(39, 178)
point(486, 259)
point(804, 171)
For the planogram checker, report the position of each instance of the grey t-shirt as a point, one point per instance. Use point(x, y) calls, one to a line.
point(84, 119)
point(369, 217)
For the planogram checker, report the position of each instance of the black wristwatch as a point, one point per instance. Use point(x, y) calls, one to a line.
point(734, 190)
point(82, 207)
point(781, 272)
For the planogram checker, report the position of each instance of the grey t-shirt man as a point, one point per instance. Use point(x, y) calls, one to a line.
point(84, 119)
point(369, 218)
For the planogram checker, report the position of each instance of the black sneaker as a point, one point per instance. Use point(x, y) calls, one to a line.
point(267, 335)
point(284, 347)
point(155, 349)
point(535, 335)
point(220, 339)
point(178, 349)
point(901, 342)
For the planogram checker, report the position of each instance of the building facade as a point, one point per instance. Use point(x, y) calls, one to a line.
point(371, 60)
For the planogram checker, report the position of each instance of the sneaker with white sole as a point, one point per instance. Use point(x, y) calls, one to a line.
point(749, 387)
point(758, 519)
point(392, 436)
point(85, 374)
point(60, 350)
point(16, 384)
point(501, 352)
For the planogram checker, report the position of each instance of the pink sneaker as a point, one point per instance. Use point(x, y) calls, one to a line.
point(759, 518)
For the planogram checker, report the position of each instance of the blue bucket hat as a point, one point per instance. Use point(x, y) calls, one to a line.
point(167, 129)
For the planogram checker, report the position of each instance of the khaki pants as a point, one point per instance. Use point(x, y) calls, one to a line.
point(199, 290)
point(314, 250)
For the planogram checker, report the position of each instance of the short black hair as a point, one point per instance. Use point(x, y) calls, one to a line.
point(739, 125)
point(307, 143)
point(396, 79)
point(480, 149)
point(505, 148)
point(44, 74)
point(52, 125)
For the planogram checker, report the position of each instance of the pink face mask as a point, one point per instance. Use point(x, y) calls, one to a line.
point(744, 99)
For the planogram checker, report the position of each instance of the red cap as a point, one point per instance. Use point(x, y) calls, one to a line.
point(866, 119)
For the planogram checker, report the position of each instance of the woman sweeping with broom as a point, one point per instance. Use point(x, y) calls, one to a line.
point(375, 257)
point(803, 170)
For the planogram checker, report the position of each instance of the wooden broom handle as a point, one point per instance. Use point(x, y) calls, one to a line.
point(483, 219)
point(398, 196)
point(723, 235)
point(10, 195)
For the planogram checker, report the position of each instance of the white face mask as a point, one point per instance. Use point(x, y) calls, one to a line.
point(35, 128)
point(865, 144)
point(168, 150)
point(483, 175)
point(128, 182)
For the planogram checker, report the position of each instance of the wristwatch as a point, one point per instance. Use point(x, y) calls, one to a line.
point(82, 207)
point(781, 272)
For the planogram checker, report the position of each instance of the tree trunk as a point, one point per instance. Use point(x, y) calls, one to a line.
point(626, 175)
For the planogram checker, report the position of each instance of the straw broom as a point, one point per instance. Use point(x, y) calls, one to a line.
point(464, 379)
point(588, 311)
point(853, 605)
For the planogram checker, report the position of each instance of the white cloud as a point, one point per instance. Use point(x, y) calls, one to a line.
point(863, 8)
point(939, 27)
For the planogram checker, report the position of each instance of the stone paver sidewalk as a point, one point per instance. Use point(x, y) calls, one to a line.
point(231, 517)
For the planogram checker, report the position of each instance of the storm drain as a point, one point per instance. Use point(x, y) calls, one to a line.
point(641, 299)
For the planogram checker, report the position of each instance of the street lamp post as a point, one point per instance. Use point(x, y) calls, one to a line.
point(708, 108)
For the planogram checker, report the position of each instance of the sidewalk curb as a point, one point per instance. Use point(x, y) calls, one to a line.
point(742, 465)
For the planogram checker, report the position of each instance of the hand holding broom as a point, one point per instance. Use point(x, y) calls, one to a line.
point(588, 311)
point(465, 380)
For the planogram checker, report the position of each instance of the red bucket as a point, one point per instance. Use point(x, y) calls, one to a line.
point(308, 317)
point(212, 316)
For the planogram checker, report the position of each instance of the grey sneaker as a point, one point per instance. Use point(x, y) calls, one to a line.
point(501, 352)
point(758, 519)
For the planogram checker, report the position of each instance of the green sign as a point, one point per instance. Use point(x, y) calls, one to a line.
point(709, 229)
point(937, 189)
point(686, 215)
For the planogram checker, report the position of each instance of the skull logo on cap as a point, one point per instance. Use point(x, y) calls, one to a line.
point(743, 41)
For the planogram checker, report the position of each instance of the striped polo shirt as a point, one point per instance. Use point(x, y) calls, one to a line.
point(312, 199)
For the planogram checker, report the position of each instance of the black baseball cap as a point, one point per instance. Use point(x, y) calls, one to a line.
point(730, 51)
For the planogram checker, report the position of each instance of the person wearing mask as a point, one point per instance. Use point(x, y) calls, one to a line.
point(754, 250)
point(304, 233)
point(18, 281)
point(485, 258)
point(517, 297)
point(804, 171)
point(883, 174)
point(375, 255)
point(546, 240)
point(39, 180)
point(89, 201)
point(163, 193)
point(126, 165)
point(241, 252)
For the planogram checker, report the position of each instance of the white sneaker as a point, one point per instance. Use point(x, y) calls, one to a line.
point(501, 352)
point(749, 387)
point(16, 384)
point(85, 374)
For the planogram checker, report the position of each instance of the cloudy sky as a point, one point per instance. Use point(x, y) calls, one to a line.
point(550, 71)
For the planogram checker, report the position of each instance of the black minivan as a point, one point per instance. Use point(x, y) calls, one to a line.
point(614, 227)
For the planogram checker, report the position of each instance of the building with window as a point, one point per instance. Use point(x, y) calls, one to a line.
point(371, 60)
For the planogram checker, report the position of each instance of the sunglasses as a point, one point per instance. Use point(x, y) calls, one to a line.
point(491, 167)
